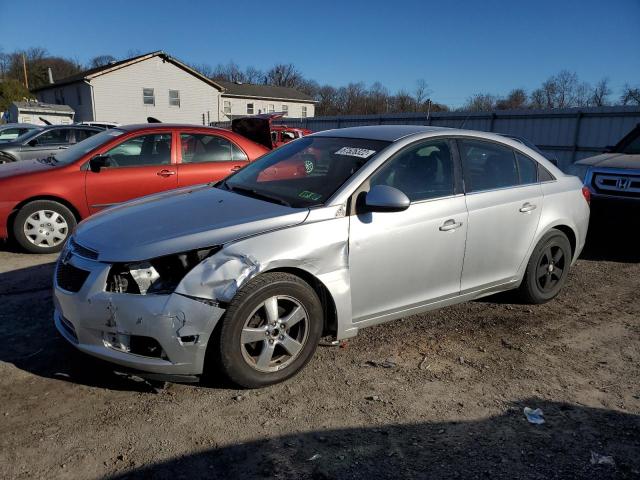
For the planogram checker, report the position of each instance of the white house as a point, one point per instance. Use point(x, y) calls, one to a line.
point(157, 85)
point(242, 99)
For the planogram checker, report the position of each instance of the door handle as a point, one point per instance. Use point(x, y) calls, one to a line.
point(236, 168)
point(63, 148)
point(166, 173)
point(450, 225)
point(528, 207)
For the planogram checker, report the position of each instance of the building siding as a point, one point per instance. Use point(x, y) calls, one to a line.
point(76, 95)
point(239, 107)
point(118, 94)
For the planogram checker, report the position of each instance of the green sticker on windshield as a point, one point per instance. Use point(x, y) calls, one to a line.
point(310, 195)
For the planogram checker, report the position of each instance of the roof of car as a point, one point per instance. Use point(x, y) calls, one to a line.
point(389, 133)
point(162, 126)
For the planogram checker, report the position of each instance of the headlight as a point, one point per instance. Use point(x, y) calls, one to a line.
point(578, 170)
point(157, 276)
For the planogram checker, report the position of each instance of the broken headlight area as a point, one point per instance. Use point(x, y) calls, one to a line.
point(157, 276)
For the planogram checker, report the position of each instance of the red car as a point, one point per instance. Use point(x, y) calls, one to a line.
point(42, 200)
point(281, 134)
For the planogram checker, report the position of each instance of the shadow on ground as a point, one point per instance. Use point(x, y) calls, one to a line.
point(504, 446)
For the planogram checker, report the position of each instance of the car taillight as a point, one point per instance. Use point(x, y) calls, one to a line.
point(586, 193)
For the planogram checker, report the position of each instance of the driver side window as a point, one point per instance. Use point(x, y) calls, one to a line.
point(146, 150)
point(422, 172)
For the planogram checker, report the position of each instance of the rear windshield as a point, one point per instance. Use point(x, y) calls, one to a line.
point(305, 172)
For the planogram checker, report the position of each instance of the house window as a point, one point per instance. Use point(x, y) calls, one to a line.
point(285, 109)
point(304, 112)
point(174, 98)
point(148, 98)
point(227, 107)
point(249, 108)
point(272, 108)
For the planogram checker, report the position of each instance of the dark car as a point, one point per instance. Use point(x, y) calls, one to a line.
point(614, 175)
point(44, 141)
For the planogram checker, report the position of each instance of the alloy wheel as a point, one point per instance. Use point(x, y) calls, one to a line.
point(274, 334)
point(550, 268)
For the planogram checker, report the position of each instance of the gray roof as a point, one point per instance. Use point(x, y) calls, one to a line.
point(262, 91)
point(43, 107)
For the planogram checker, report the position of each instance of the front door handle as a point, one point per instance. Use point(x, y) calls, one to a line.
point(236, 168)
point(528, 207)
point(166, 173)
point(450, 225)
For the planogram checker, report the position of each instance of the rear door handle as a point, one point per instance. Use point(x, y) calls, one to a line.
point(450, 225)
point(236, 168)
point(528, 207)
point(166, 173)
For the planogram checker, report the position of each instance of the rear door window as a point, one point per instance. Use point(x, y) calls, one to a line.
point(527, 169)
point(57, 136)
point(487, 166)
point(201, 148)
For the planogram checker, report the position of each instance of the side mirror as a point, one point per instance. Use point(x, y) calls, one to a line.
point(383, 198)
point(98, 162)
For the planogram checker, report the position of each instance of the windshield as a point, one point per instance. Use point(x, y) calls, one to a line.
point(75, 152)
point(305, 172)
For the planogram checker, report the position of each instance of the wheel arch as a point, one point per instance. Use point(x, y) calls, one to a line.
point(326, 299)
point(571, 235)
point(51, 198)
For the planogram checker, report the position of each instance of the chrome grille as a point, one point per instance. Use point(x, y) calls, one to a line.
point(617, 184)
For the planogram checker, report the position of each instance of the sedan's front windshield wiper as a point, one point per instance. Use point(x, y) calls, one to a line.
point(253, 193)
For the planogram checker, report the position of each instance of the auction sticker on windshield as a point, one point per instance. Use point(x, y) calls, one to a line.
point(310, 195)
point(355, 152)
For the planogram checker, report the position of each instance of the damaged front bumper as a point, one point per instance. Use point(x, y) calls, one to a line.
point(161, 334)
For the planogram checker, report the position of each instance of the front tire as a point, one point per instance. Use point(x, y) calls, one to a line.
point(43, 226)
point(269, 332)
point(548, 268)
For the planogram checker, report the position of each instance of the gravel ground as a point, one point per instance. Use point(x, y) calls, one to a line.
point(439, 395)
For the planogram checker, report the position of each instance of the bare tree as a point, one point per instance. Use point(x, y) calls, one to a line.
point(515, 99)
point(630, 95)
point(101, 60)
point(284, 75)
point(421, 94)
point(480, 102)
point(600, 93)
point(254, 75)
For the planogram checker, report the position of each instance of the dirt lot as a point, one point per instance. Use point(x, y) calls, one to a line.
point(447, 404)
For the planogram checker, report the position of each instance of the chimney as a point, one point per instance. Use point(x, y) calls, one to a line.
point(50, 75)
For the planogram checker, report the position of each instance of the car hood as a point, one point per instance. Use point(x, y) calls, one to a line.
point(612, 160)
point(178, 221)
point(23, 167)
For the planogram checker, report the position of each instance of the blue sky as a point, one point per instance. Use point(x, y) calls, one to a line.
point(458, 47)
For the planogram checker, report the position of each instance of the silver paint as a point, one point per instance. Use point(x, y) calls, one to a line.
point(375, 266)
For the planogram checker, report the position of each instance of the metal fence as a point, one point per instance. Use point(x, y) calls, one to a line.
point(565, 134)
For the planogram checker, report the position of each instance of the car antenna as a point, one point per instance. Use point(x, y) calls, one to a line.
point(45, 121)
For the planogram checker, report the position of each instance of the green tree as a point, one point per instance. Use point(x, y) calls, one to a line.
point(10, 91)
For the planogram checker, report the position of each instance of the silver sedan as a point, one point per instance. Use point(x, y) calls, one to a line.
point(326, 235)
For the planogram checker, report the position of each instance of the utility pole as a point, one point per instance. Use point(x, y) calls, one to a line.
point(24, 67)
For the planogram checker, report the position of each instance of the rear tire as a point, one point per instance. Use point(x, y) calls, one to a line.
point(547, 270)
point(269, 332)
point(43, 226)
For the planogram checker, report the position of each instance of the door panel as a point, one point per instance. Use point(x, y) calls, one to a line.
point(499, 234)
point(47, 143)
point(400, 259)
point(503, 212)
point(136, 167)
point(207, 158)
